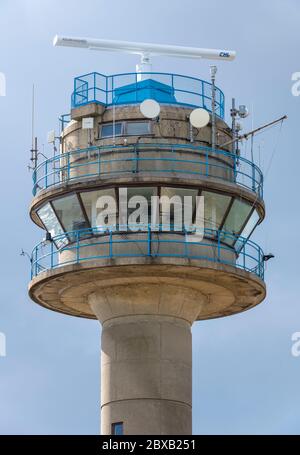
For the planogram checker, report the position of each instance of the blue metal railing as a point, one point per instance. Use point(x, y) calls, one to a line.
point(127, 88)
point(92, 162)
point(95, 243)
point(64, 119)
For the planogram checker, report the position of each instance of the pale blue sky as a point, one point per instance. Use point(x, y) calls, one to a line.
point(244, 378)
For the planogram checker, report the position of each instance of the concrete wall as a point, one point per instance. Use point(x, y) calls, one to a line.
point(173, 126)
point(146, 375)
point(146, 358)
point(161, 244)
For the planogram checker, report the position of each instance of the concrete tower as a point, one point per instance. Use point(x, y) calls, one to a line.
point(148, 285)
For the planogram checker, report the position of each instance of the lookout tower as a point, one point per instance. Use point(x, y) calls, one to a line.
point(142, 134)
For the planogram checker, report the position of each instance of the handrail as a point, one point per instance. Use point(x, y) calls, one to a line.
point(148, 241)
point(92, 162)
point(105, 89)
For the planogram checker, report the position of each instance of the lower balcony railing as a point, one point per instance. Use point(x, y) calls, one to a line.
point(156, 159)
point(150, 241)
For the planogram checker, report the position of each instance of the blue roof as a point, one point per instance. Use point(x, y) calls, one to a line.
point(143, 90)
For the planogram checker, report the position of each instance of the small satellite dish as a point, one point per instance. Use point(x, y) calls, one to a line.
point(87, 123)
point(199, 117)
point(51, 137)
point(150, 108)
point(243, 111)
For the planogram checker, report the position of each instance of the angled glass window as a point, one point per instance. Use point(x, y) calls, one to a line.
point(236, 218)
point(94, 206)
point(69, 213)
point(139, 206)
point(250, 226)
point(247, 231)
point(51, 223)
point(178, 208)
point(215, 207)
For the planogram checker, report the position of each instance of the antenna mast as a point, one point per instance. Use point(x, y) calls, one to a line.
point(34, 149)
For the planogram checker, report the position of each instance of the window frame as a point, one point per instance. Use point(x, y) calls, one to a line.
point(114, 425)
point(101, 125)
point(146, 122)
point(158, 188)
point(124, 128)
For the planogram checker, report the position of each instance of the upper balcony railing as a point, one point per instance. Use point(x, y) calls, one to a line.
point(155, 159)
point(128, 88)
point(94, 243)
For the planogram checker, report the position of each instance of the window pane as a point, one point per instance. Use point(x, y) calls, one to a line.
point(251, 223)
point(89, 200)
point(246, 232)
point(137, 128)
point(215, 206)
point(108, 130)
point(237, 217)
point(70, 213)
point(180, 208)
point(117, 429)
point(51, 223)
point(133, 205)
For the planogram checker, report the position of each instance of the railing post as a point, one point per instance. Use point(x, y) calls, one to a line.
point(219, 247)
point(106, 90)
point(234, 168)
point(51, 254)
point(46, 174)
point(149, 240)
point(32, 265)
point(253, 176)
point(68, 166)
point(75, 91)
point(94, 86)
point(77, 247)
point(36, 261)
point(136, 94)
point(99, 163)
point(110, 244)
point(186, 251)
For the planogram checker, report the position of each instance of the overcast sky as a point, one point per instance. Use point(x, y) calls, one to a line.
point(245, 379)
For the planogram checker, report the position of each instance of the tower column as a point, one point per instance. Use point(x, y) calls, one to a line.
point(146, 373)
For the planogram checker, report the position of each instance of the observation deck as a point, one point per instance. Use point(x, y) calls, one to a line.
point(163, 157)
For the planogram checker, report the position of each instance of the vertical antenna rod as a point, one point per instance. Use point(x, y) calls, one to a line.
point(213, 71)
point(34, 150)
point(233, 113)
